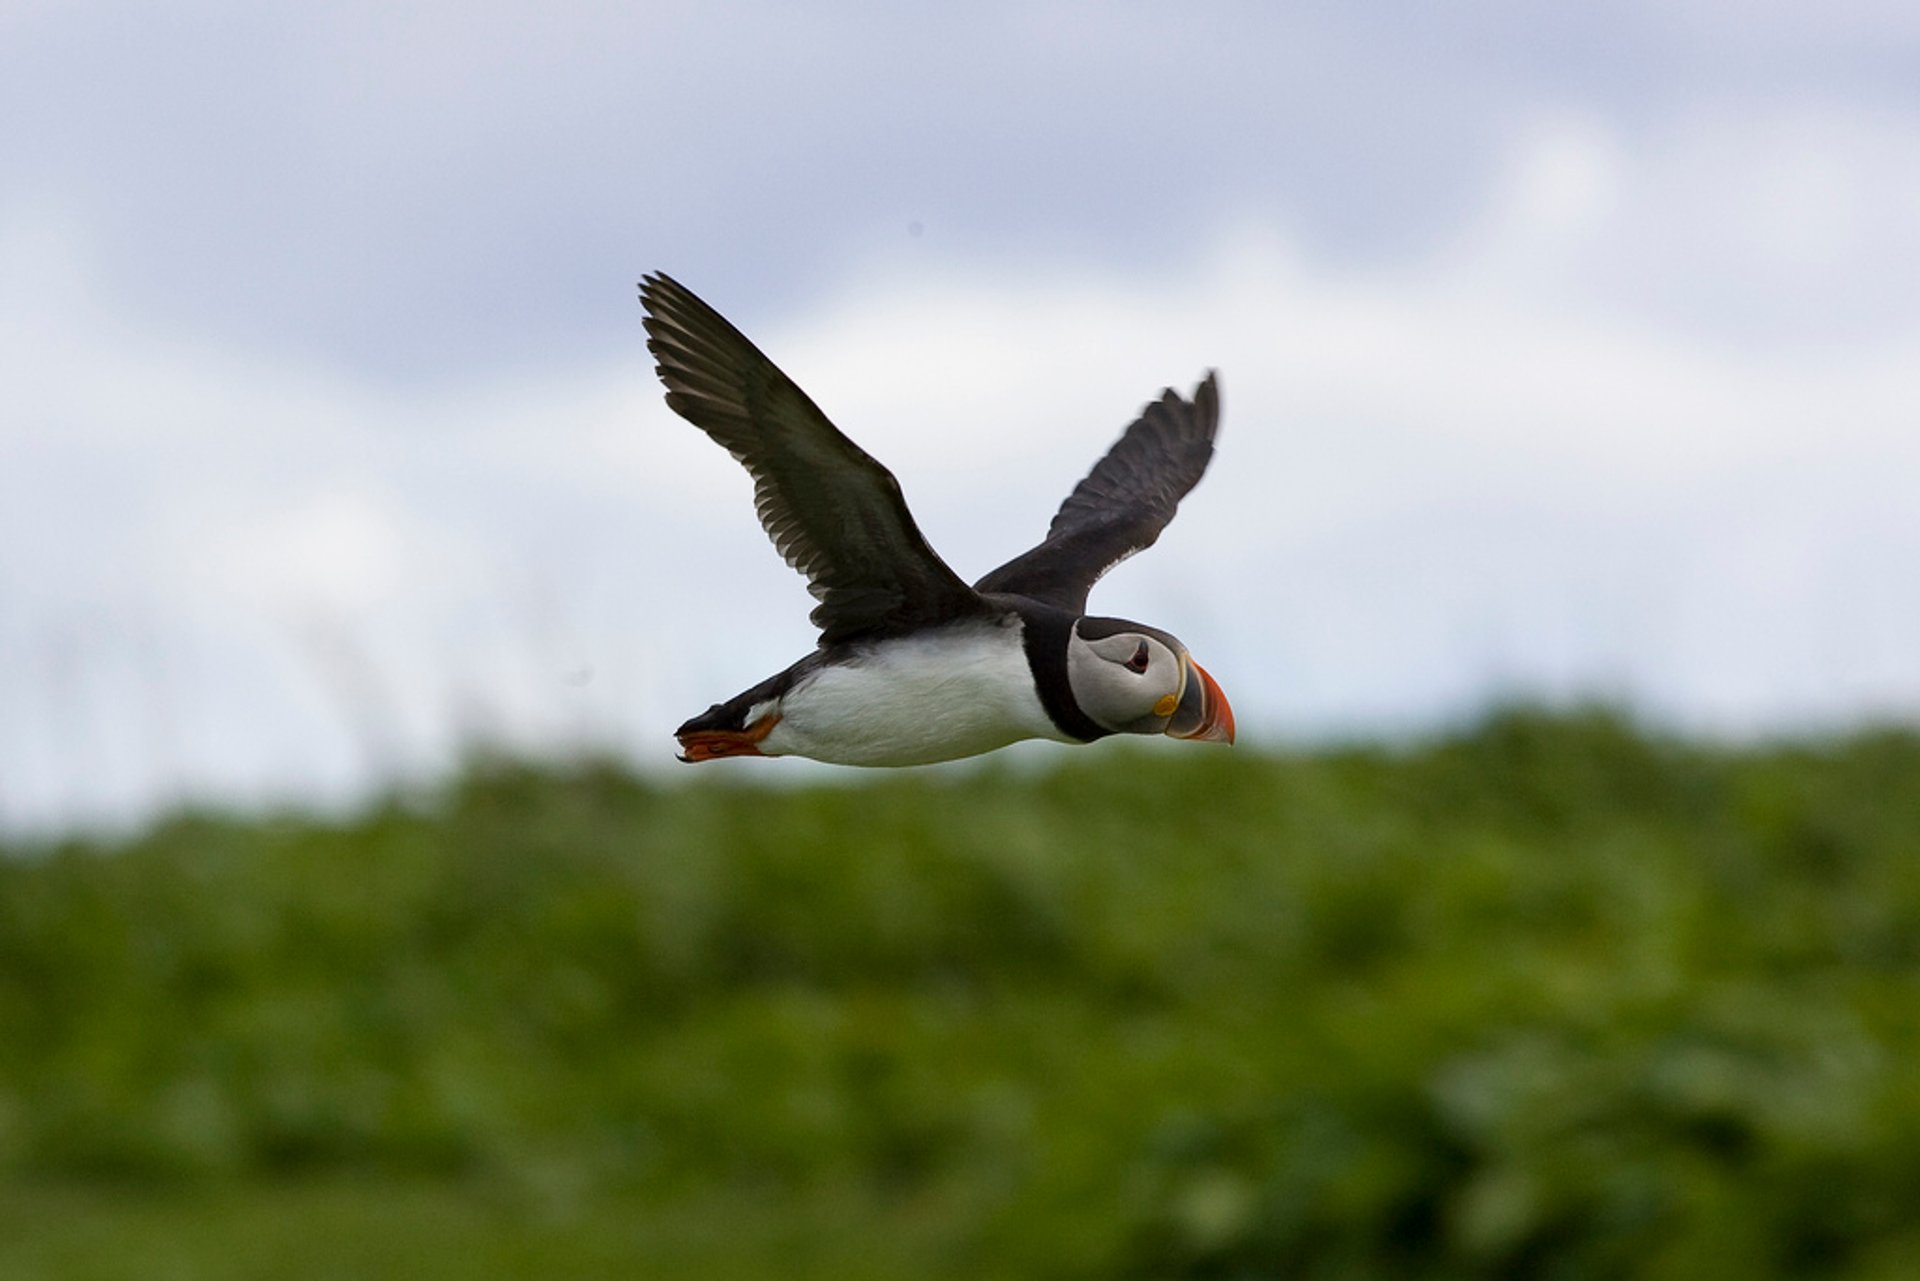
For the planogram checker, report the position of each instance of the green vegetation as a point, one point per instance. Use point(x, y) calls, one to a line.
point(1550, 998)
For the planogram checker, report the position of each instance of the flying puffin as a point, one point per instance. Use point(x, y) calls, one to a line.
point(914, 666)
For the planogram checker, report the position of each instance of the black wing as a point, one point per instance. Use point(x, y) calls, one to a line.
point(1122, 505)
point(834, 513)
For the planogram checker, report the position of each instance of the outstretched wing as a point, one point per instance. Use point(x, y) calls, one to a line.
point(1122, 505)
point(834, 513)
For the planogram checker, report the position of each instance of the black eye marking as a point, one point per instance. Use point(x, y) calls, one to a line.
point(1138, 663)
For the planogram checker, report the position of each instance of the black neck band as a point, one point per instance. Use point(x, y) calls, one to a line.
point(1045, 635)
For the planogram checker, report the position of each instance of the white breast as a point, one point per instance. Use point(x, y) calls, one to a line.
point(933, 696)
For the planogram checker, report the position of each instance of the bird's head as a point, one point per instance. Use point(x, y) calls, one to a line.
point(1133, 679)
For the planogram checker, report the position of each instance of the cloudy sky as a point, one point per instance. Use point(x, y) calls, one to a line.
point(1565, 351)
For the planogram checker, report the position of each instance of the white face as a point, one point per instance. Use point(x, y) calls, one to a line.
point(1129, 682)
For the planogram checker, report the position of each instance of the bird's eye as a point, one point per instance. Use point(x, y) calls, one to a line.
point(1138, 663)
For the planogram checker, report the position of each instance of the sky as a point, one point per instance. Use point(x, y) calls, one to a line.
point(1566, 352)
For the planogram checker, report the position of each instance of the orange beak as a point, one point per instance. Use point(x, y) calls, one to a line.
point(1203, 713)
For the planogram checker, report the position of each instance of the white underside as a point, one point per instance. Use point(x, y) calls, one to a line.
point(933, 696)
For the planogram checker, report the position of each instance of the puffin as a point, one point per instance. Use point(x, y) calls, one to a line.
point(913, 665)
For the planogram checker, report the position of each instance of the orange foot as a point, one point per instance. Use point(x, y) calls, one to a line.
point(711, 744)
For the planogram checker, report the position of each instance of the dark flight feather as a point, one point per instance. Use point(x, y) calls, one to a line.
point(834, 513)
point(1122, 505)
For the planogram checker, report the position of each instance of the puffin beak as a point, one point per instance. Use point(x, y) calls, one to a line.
point(1203, 712)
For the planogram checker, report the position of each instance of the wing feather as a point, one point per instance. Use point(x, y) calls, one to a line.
point(1123, 504)
point(833, 513)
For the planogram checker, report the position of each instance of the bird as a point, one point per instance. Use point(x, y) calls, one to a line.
point(912, 665)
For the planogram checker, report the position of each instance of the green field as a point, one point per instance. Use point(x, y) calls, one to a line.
point(1552, 997)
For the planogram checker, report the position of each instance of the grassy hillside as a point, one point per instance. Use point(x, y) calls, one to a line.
point(1551, 998)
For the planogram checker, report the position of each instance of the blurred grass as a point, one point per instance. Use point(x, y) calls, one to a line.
point(1552, 997)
